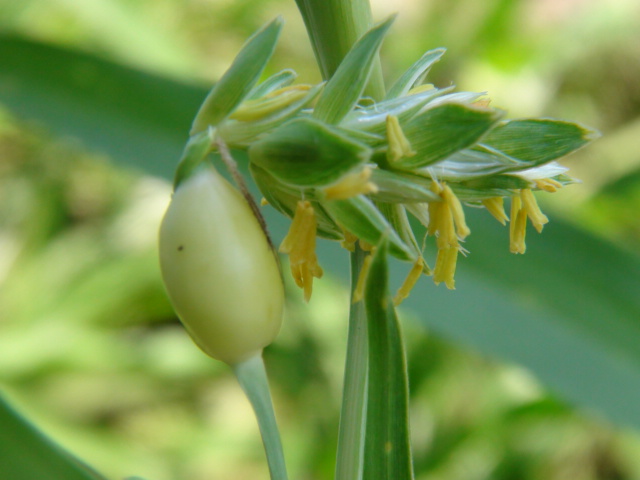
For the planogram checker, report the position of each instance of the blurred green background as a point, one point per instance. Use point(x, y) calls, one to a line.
point(525, 372)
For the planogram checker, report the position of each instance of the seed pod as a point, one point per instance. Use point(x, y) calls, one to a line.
point(219, 268)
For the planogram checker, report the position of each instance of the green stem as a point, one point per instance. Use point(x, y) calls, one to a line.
point(252, 377)
point(333, 27)
point(351, 438)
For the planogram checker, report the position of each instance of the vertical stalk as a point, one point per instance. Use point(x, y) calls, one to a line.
point(333, 27)
point(252, 377)
point(351, 437)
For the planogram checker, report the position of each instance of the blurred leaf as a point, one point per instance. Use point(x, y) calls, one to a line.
point(568, 309)
point(138, 119)
point(387, 454)
point(26, 454)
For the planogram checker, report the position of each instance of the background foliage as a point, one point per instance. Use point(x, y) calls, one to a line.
point(521, 373)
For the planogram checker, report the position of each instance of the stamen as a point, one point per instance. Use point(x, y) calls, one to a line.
point(358, 292)
point(366, 246)
point(351, 185)
point(456, 209)
point(548, 184)
point(300, 245)
point(261, 107)
point(538, 219)
point(349, 242)
point(445, 268)
point(518, 226)
point(495, 206)
point(399, 145)
point(447, 222)
point(409, 282)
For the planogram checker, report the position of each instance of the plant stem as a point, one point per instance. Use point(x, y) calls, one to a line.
point(252, 377)
point(351, 437)
point(333, 27)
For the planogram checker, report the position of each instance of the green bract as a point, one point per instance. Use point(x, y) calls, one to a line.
point(219, 268)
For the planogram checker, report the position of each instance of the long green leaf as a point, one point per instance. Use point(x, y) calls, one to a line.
point(387, 454)
point(344, 89)
point(140, 120)
point(26, 454)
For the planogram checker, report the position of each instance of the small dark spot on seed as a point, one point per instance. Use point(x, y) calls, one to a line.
point(180, 248)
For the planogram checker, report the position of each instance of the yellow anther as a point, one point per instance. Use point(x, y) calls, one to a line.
point(410, 281)
point(483, 103)
point(358, 292)
point(456, 209)
point(495, 206)
point(538, 219)
point(300, 245)
point(446, 230)
point(445, 268)
point(448, 223)
point(366, 246)
point(349, 242)
point(261, 107)
point(548, 184)
point(421, 88)
point(351, 185)
point(264, 202)
point(399, 145)
point(518, 226)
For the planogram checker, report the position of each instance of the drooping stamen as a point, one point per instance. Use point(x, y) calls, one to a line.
point(300, 245)
point(530, 205)
point(447, 222)
point(409, 282)
point(351, 185)
point(399, 145)
point(495, 206)
point(518, 226)
point(548, 184)
point(456, 209)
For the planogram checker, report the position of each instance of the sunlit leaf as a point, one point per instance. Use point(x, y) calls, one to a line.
point(387, 454)
point(345, 87)
point(539, 141)
point(444, 130)
point(416, 72)
point(237, 82)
